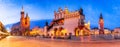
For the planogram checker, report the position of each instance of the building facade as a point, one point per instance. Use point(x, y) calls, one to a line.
point(68, 20)
point(22, 27)
point(24, 23)
point(101, 24)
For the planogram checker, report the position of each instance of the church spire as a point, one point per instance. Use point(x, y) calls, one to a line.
point(101, 24)
point(81, 11)
point(101, 17)
point(22, 13)
point(22, 9)
point(27, 15)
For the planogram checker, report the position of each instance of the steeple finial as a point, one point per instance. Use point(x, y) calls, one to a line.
point(22, 9)
point(81, 11)
point(101, 17)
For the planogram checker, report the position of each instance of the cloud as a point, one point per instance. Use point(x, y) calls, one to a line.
point(10, 12)
point(7, 13)
point(91, 14)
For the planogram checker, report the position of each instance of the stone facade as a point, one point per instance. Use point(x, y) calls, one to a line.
point(68, 20)
point(24, 23)
point(22, 27)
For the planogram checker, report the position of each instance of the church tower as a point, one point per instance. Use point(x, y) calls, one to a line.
point(27, 20)
point(82, 18)
point(24, 23)
point(27, 23)
point(22, 20)
point(101, 24)
point(22, 13)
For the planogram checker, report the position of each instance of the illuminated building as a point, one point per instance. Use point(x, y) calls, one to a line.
point(116, 30)
point(95, 31)
point(107, 31)
point(101, 25)
point(36, 31)
point(22, 27)
point(24, 23)
point(68, 21)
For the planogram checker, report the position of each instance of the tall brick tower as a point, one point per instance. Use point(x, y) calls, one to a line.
point(22, 19)
point(24, 23)
point(101, 24)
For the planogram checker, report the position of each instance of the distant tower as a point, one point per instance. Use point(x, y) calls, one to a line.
point(27, 20)
point(82, 18)
point(101, 24)
point(22, 22)
point(22, 13)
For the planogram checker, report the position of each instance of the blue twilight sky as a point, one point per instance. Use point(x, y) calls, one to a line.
point(44, 9)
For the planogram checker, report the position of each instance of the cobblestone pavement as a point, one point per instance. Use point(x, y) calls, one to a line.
point(18, 41)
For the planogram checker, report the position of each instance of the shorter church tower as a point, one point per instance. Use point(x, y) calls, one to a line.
point(27, 24)
point(82, 18)
point(101, 24)
point(27, 20)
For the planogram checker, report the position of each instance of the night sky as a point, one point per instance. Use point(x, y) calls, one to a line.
point(44, 9)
